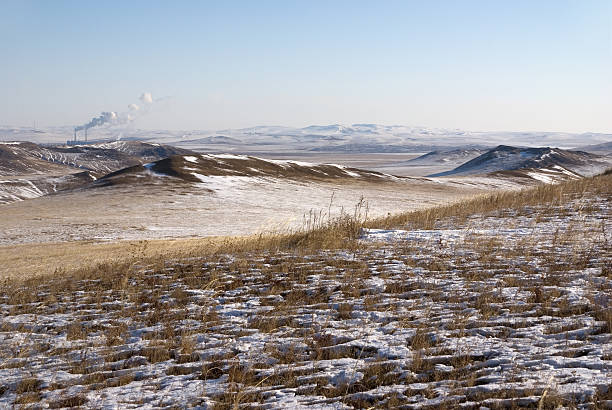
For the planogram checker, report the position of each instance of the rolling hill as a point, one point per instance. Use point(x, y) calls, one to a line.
point(29, 170)
point(603, 148)
point(207, 167)
point(531, 162)
point(460, 155)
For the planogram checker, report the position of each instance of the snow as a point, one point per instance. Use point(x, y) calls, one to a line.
point(541, 177)
point(441, 236)
point(565, 171)
point(348, 172)
point(228, 156)
point(224, 182)
point(191, 158)
point(19, 189)
point(286, 163)
point(506, 158)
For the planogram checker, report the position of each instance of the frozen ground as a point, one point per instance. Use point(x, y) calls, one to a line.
point(508, 309)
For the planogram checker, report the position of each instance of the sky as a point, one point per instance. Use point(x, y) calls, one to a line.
point(475, 65)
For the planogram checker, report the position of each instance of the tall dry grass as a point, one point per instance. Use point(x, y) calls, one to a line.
point(552, 195)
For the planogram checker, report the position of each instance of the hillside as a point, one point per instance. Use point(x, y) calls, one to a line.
point(603, 148)
point(206, 167)
point(23, 158)
point(549, 161)
point(447, 156)
point(20, 158)
point(29, 170)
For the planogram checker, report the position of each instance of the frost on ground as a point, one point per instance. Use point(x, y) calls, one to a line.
point(512, 308)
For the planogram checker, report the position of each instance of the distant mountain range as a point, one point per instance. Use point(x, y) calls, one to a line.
point(318, 138)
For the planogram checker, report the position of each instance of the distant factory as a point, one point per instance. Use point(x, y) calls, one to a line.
point(75, 140)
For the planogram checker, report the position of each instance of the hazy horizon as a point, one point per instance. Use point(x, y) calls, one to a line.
point(474, 66)
point(120, 129)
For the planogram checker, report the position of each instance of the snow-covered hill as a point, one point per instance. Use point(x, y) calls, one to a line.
point(29, 170)
point(445, 157)
point(224, 169)
point(547, 160)
point(18, 158)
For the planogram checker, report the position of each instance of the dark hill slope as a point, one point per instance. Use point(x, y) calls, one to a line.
point(443, 156)
point(196, 168)
point(506, 158)
point(29, 170)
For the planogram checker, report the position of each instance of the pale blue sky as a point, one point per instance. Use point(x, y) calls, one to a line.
point(479, 65)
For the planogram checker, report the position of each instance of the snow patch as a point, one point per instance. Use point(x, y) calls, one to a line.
point(228, 156)
point(285, 163)
point(191, 158)
point(541, 177)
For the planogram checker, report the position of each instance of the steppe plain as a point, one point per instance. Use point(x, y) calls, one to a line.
point(358, 291)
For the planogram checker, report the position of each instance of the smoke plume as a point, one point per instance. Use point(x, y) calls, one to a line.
point(146, 98)
point(117, 118)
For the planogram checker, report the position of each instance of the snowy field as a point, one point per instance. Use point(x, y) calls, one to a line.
point(217, 206)
point(507, 309)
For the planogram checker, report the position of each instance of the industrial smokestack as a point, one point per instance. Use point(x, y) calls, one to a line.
point(75, 135)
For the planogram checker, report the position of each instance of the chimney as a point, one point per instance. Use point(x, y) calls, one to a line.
point(85, 134)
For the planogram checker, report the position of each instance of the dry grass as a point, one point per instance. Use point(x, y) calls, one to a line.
point(549, 194)
point(28, 386)
point(35, 260)
point(41, 259)
point(71, 401)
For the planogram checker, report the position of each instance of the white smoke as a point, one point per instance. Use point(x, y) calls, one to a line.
point(114, 118)
point(146, 98)
point(104, 118)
